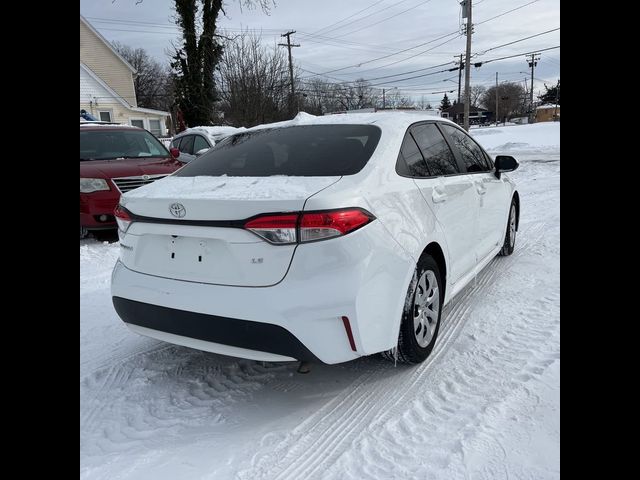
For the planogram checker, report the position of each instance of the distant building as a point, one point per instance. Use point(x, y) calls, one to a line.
point(107, 92)
point(547, 113)
point(477, 115)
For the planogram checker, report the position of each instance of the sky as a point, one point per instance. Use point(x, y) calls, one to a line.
point(346, 40)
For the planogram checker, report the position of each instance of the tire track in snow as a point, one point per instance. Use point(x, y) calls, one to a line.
point(318, 441)
point(448, 405)
point(129, 405)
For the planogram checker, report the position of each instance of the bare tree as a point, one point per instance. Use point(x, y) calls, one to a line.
point(195, 60)
point(509, 99)
point(152, 81)
point(423, 104)
point(477, 91)
point(253, 82)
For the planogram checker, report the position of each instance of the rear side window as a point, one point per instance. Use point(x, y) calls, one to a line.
point(305, 150)
point(472, 155)
point(436, 151)
point(410, 162)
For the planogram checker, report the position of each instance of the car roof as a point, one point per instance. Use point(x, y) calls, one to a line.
point(386, 120)
point(107, 125)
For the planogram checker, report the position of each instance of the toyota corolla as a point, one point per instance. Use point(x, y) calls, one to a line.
point(317, 239)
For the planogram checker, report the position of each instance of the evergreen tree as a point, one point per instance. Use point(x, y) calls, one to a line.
point(549, 96)
point(445, 103)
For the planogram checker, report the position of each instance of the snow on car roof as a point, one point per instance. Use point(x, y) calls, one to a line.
point(213, 132)
point(105, 124)
point(394, 120)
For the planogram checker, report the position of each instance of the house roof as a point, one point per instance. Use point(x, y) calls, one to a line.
point(118, 97)
point(106, 42)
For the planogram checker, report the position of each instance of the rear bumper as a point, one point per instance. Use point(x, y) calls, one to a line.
point(242, 334)
point(363, 277)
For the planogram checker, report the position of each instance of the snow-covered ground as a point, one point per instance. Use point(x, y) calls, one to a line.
point(485, 405)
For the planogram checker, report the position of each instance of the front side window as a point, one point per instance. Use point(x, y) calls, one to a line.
point(436, 151)
point(199, 143)
point(303, 150)
point(186, 145)
point(472, 155)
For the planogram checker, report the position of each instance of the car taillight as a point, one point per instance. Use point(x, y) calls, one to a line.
point(284, 229)
point(279, 229)
point(321, 225)
point(122, 218)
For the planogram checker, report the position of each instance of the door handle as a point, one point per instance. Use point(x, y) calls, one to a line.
point(438, 197)
point(481, 189)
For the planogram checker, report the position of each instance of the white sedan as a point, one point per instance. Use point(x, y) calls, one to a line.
point(316, 239)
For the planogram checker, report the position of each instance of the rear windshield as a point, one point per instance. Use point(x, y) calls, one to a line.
point(108, 144)
point(306, 150)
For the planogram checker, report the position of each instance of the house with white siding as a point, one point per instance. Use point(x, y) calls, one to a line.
point(106, 85)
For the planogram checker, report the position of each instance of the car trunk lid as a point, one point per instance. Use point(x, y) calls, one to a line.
point(203, 239)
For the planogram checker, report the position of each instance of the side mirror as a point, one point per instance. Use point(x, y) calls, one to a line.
point(201, 151)
point(175, 153)
point(505, 163)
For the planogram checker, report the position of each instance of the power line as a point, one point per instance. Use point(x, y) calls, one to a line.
point(479, 64)
point(383, 20)
point(366, 16)
point(519, 40)
point(392, 54)
point(347, 18)
point(416, 54)
point(508, 11)
point(457, 33)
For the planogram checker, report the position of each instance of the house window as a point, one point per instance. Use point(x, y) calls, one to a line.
point(105, 115)
point(154, 127)
point(137, 123)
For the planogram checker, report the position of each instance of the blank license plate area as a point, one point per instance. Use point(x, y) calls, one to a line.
point(187, 258)
point(189, 251)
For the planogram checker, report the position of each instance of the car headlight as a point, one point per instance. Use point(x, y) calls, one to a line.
point(88, 185)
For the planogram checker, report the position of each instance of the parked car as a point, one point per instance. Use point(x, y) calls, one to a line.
point(115, 159)
point(195, 141)
point(318, 239)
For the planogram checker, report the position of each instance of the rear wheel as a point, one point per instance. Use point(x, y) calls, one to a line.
point(421, 316)
point(510, 237)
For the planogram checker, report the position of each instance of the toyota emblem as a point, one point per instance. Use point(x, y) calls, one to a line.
point(177, 210)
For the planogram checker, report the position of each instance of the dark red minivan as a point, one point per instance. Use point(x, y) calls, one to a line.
point(113, 160)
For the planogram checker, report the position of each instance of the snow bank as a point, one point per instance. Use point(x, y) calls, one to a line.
point(542, 136)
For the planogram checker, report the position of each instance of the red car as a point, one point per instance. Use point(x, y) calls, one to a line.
point(115, 159)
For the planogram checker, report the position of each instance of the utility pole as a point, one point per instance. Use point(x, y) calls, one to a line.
point(459, 77)
point(555, 110)
point(289, 45)
point(532, 58)
point(383, 100)
point(496, 99)
point(466, 6)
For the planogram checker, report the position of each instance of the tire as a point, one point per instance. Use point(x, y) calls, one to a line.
point(83, 232)
point(510, 237)
point(415, 343)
